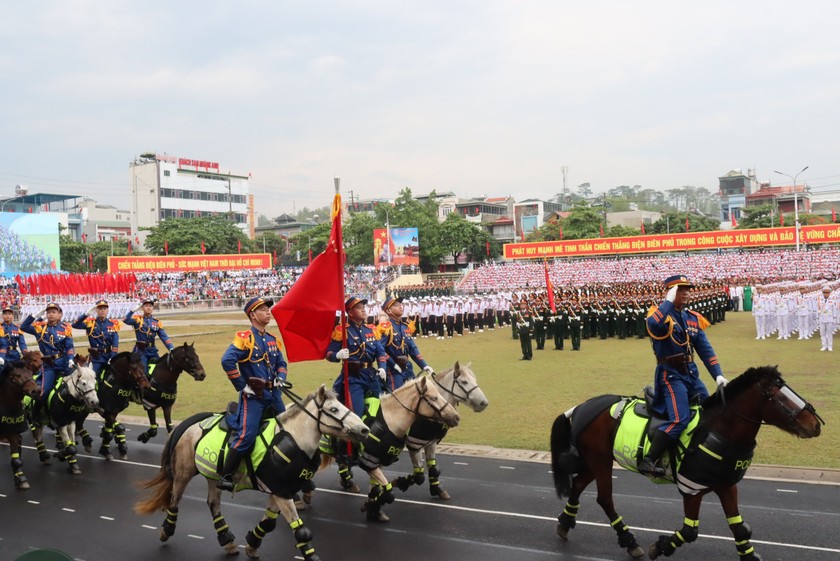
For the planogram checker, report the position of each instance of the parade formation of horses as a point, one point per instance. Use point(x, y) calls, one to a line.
point(458, 385)
point(717, 452)
point(16, 382)
point(164, 385)
point(69, 403)
point(389, 420)
point(123, 376)
point(285, 457)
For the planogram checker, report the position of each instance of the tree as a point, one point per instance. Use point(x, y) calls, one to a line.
point(674, 223)
point(269, 242)
point(314, 238)
point(760, 216)
point(408, 212)
point(184, 236)
point(358, 238)
point(584, 190)
point(457, 235)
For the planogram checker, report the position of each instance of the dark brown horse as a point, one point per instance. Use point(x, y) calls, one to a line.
point(16, 381)
point(164, 388)
point(719, 453)
point(123, 377)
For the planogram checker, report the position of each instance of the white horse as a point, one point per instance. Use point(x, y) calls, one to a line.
point(70, 402)
point(458, 385)
point(290, 460)
point(389, 425)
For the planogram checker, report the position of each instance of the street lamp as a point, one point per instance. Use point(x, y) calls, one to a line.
point(795, 202)
point(388, 233)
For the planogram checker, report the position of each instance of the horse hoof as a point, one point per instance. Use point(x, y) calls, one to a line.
point(251, 552)
point(44, 457)
point(143, 437)
point(443, 495)
point(22, 485)
point(300, 504)
point(123, 455)
point(636, 551)
point(231, 549)
point(351, 487)
point(380, 517)
point(653, 551)
point(307, 497)
point(88, 448)
point(74, 470)
point(163, 535)
point(563, 532)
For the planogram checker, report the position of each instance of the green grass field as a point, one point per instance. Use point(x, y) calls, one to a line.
point(525, 397)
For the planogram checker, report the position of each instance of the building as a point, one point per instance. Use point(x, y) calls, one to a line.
point(164, 186)
point(530, 214)
point(632, 218)
point(782, 198)
point(103, 222)
point(64, 206)
point(734, 187)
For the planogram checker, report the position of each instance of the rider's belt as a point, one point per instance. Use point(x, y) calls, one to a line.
point(275, 383)
point(143, 346)
point(50, 359)
point(680, 362)
point(96, 353)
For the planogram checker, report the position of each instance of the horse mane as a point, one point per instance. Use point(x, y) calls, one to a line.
point(740, 384)
point(123, 354)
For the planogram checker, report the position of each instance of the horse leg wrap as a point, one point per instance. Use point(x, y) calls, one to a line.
point(346, 475)
point(119, 438)
point(170, 521)
point(625, 536)
point(266, 525)
point(303, 537)
point(405, 481)
point(107, 435)
point(569, 515)
point(87, 439)
point(169, 428)
point(223, 533)
point(386, 497)
point(688, 533)
point(151, 432)
point(43, 455)
point(742, 533)
point(17, 464)
point(434, 474)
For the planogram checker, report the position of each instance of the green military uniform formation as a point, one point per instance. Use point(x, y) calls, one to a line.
point(601, 312)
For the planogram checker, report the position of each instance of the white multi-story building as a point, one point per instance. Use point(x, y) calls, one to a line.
point(164, 186)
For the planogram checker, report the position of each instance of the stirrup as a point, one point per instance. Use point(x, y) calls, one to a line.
point(650, 468)
point(226, 483)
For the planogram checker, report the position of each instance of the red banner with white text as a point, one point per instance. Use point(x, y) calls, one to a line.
point(724, 239)
point(183, 263)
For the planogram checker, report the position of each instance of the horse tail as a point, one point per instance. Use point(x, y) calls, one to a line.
point(161, 485)
point(563, 460)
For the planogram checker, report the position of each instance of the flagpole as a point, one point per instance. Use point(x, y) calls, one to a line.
point(348, 400)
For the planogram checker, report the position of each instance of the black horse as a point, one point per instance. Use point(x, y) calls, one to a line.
point(164, 385)
point(16, 381)
point(124, 377)
point(586, 439)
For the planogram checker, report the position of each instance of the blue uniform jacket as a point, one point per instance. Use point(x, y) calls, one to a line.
point(253, 354)
point(680, 333)
point(103, 335)
point(12, 343)
point(145, 331)
point(363, 345)
point(54, 341)
point(398, 343)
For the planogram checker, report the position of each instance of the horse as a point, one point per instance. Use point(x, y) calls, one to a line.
point(16, 382)
point(123, 376)
point(458, 385)
point(164, 386)
point(291, 458)
point(717, 452)
point(70, 402)
point(390, 419)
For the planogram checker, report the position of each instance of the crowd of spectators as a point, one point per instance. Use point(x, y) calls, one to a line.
point(758, 267)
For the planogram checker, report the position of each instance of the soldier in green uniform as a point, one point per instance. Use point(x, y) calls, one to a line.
point(561, 322)
point(585, 314)
point(603, 320)
point(575, 326)
point(540, 310)
point(525, 324)
point(620, 320)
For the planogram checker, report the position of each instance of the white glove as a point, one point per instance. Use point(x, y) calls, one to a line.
point(70, 364)
point(382, 374)
point(2, 362)
point(248, 390)
point(343, 354)
point(397, 368)
point(91, 311)
point(672, 294)
point(40, 314)
point(428, 370)
point(721, 381)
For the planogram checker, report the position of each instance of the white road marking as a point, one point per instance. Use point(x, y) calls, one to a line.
point(149, 527)
point(786, 491)
point(107, 518)
point(195, 537)
point(65, 509)
point(457, 464)
point(34, 502)
point(506, 467)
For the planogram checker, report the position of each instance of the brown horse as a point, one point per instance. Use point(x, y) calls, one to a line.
point(123, 376)
point(720, 450)
point(164, 388)
point(16, 382)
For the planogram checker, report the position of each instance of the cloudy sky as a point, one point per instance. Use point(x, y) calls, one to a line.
point(485, 97)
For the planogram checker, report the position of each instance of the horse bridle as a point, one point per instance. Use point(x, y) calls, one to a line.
point(82, 394)
point(188, 365)
point(421, 398)
point(451, 391)
point(296, 399)
point(790, 413)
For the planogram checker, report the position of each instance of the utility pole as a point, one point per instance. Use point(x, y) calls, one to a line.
point(230, 201)
point(565, 170)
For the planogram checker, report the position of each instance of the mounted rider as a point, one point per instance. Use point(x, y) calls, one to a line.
point(103, 335)
point(366, 359)
point(398, 341)
point(12, 343)
point(676, 333)
point(55, 340)
point(256, 368)
point(146, 329)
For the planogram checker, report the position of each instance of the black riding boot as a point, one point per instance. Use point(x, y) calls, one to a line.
point(229, 470)
point(649, 465)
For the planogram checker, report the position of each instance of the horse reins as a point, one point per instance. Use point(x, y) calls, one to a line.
point(451, 391)
point(297, 400)
point(416, 411)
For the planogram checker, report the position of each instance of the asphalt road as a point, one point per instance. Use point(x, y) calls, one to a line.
point(501, 510)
